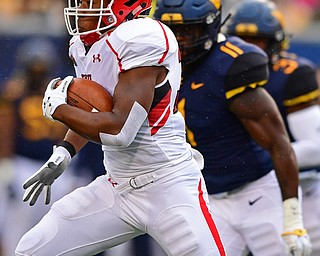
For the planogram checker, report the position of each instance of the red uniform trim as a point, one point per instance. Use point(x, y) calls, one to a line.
point(117, 56)
point(167, 44)
point(159, 115)
point(210, 221)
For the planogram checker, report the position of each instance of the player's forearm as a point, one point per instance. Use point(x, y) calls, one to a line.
point(286, 169)
point(76, 140)
point(87, 124)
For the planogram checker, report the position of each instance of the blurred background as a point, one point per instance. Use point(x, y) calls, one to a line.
point(21, 20)
point(33, 50)
point(302, 20)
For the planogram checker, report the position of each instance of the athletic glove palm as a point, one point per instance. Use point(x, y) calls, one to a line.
point(55, 96)
point(297, 241)
point(46, 175)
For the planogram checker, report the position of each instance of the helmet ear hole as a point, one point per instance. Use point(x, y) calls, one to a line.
point(130, 3)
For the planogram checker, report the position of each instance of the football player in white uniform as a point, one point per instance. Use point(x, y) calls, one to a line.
point(153, 182)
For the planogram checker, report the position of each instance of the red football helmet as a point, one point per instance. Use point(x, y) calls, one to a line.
point(110, 15)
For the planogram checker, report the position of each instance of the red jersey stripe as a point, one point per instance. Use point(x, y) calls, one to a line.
point(167, 44)
point(117, 56)
point(155, 129)
point(159, 115)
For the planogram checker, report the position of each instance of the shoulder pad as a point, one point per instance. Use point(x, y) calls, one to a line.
point(301, 86)
point(248, 68)
point(142, 42)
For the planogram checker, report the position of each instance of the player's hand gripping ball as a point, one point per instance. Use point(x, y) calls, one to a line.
point(82, 93)
point(88, 95)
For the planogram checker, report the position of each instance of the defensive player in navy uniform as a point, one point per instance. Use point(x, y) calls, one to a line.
point(153, 183)
point(294, 87)
point(249, 164)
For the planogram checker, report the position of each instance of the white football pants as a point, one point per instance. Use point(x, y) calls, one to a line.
point(250, 218)
point(173, 208)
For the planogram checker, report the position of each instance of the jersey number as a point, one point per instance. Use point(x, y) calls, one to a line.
point(288, 66)
point(190, 134)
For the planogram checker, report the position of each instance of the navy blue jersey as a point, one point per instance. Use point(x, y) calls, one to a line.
point(292, 81)
point(232, 157)
point(36, 135)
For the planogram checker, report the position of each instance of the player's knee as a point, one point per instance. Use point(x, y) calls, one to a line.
point(191, 238)
point(37, 237)
point(27, 244)
point(258, 243)
point(17, 253)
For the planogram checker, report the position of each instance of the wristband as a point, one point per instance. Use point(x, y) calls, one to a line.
point(292, 214)
point(68, 146)
point(296, 232)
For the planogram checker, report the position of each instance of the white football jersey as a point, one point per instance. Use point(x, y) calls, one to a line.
point(137, 43)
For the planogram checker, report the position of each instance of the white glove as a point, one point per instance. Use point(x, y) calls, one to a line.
point(297, 241)
point(45, 176)
point(54, 97)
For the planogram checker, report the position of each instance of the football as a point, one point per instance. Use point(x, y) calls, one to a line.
point(88, 95)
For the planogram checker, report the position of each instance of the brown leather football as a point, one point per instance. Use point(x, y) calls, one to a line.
point(88, 95)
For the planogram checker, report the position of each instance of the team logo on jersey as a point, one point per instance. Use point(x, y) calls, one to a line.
point(195, 86)
point(96, 58)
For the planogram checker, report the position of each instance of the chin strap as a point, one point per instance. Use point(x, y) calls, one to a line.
point(225, 20)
